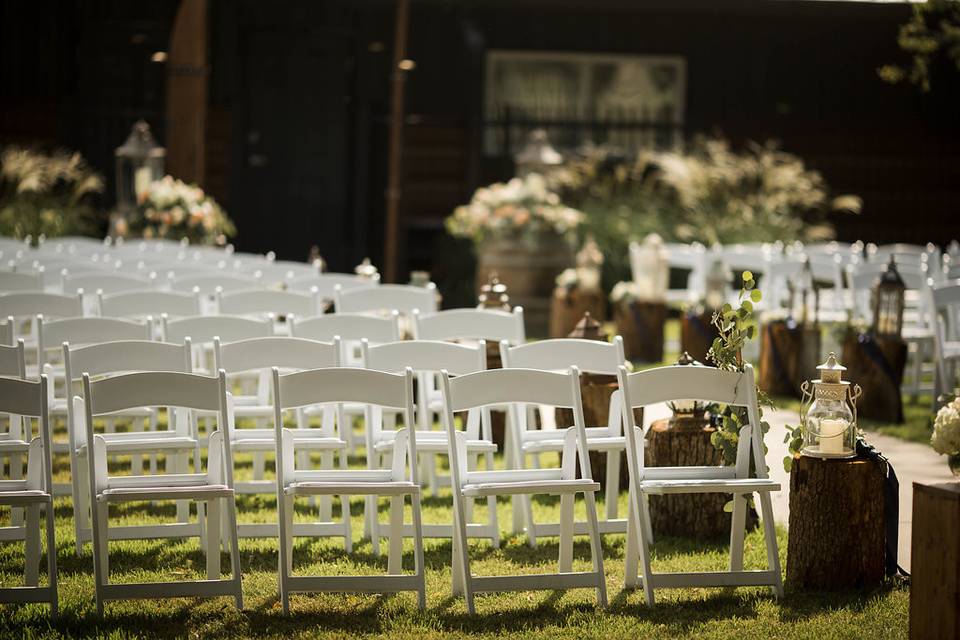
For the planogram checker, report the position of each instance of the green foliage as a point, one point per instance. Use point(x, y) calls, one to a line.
point(47, 193)
point(709, 193)
point(932, 32)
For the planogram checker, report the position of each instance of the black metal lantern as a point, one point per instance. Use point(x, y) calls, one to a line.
point(140, 162)
point(888, 301)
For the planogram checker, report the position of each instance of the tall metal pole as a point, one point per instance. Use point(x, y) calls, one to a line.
point(394, 157)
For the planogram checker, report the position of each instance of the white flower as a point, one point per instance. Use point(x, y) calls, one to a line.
point(623, 291)
point(946, 429)
point(568, 279)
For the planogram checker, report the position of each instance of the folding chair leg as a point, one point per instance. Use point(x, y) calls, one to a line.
point(326, 502)
point(418, 560)
point(612, 487)
point(492, 520)
point(648, 523)
point(345, 519)
point(51, 560)
point(288, 532)
point(631, 555)
point(738, 527)
point(565, 561)
point(527, 502)
point(31, 570)
point(373, 507)
point(285, 553)
point(259, 463)
point(213, 539)
point(642, 525)
point(430, 467)
point(81, 501)
point(461, 550)
point(395, 554)
point(152, 426)
point(231, 522)
point(770, 536)
point(183, 507)
point(103, 561)
point(596, 549)
point(16, 473)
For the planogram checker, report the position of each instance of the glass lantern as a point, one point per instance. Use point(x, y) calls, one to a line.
point(718, 279)
point(366, 270)
point(651, 269)
point(888, 302)
point(828, 413)
point(589, 263)
point(140, 162)
point(538, 155)
point(493, 295)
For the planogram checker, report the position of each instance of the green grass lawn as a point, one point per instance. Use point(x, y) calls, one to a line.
point(695, 613)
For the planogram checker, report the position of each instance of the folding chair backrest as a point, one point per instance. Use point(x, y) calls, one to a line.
point(275, 351)
point(348, 326)
point(51, 334)
point(28, 399)
point(326, 283)
point(203, 329)
point(209, 283)
point(471, 324)
point(125, 356)
point(154, 389)
point(388, 297)
point(51, 305)
point(107, 282)
point(428, 356)
point(21, 281)
point(138, 304)
point(268, 301)
point(589, 356)
point(12, 361)
point(346, 384)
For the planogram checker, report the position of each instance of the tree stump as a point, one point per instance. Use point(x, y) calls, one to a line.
point(935, 562)
point(693, 515)
point(568, 306)
point(640, 324)
point(697, 334)
point(877, 365)
point(836, 536)
point(789, 355)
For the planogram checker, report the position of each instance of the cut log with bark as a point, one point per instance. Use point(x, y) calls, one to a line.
point(697, 334)
point(568, 306)
point(836, 524)
point(789, 354)
point(935, 562)
point(689, 515)
point(877, 365)
point(641, 324)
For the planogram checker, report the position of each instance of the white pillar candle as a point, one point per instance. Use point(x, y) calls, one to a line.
point(831, 436)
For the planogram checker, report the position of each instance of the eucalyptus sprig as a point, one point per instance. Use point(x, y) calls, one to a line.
point(736, 326)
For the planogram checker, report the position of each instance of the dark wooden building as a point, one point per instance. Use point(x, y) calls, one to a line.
point(280, 108)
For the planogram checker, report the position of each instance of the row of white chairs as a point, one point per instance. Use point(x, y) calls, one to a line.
point(383, 394)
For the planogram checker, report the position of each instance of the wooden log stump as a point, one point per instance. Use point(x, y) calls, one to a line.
point(693, 515)
point(935, 562)
point(697, 334)
point(877, 365)
point(836, 525)
point(789, 354)
point(640, 324)
point(568, 306)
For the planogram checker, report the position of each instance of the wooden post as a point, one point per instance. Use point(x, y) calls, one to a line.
point(187, 73)
point(935, 562)
point(395, 151)
point(640, 324)
point(836, 524)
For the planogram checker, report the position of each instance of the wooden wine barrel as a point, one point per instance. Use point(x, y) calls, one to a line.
point(529, 267)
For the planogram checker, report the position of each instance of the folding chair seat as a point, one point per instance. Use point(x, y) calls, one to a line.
point(26, 400)
point(518, 388)
point(590, 356)
point(748, 476)
point(213, 486)
point(428, 358)
point(377, 391)
point(287, 354)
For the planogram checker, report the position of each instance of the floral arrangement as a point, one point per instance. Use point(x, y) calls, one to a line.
point(946, 429)
point(170, 208)
point(50, 194)
point(624, 292)
point(522, 206)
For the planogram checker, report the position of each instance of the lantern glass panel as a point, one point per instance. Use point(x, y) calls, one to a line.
point(829, 429)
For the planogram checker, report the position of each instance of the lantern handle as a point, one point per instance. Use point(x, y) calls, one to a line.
point(855, 392)
point(805, 398)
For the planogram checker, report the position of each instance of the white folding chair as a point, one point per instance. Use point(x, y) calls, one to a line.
point(207, 283)
point(491, 325)
point(377, 391)
point(91, 285)
point(522, 387)
point(326, 283)
point(351, 329)
point(731, 388)
point(403, 298)
point(25, 306)
point(186, 392)
point(14, 444)
point(141, 304)
point(51, 334)
point(21, 281)
point(260, 355)
point(428, 358)
point(277, 272)
point(589, 356)
point(25, 400)
point(946, 333)
point(178, 442)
